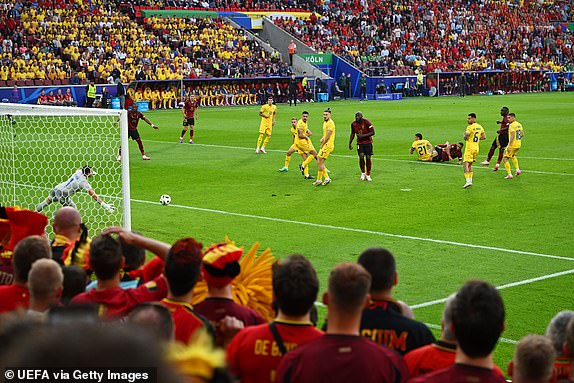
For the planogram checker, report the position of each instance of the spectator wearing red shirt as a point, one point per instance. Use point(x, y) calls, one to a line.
point(556, 332)
point(27, 251)
point(219, 267)
point(182, 270)
point(106, 260)
point(255, 352)
point(342, 354)
point(478, 322)
point(533, 360)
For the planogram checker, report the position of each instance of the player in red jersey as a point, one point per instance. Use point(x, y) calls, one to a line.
point(182, 270)
point(219, 267)
point(134, 117)
point(68, 98)
point(501, 140)
point(447, 152)
point(478, 321)
point(27, 251)
point(106, 260)
point(190, 108)
point(342, 354)
point(255, 352)
point(364, 131)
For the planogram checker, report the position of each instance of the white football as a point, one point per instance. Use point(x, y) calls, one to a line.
point(165, 199)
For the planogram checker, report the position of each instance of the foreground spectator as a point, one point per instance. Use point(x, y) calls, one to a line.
point(342, 355)
point(74, 283)
point(71, 242)
point(556, 332)
point(295, 288)
point(219, 267)
point(154, 318)
point(569, 350)
point(182, 270)
point(383, 320)
point(45, 282)
point(27, 251)
point(533, 360)
point(478, 321)
point(106, 260)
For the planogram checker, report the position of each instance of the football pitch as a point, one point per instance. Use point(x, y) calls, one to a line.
point(516, 234)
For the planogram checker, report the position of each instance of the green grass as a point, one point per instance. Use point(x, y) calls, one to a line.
point(220, 187)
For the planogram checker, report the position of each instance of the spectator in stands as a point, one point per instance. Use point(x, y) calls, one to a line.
point(357, 359)
point(219, 267)
point(153, 318)
point(182, 270)
point(556, 332)
point(27, 251)
point(569, 349)
point(533, 360)
point(45, 283)
point(106, 260)
point(478, 321)
point(383, 320)
point(74, 283)
point(295, 288)
point(71, 241)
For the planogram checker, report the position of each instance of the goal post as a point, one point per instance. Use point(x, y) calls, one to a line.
point(43, 147)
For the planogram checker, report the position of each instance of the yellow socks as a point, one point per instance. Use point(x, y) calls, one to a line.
point(265, 142)
point(507, 167)
point(259, 139)
point(287, 161)
point(515, 163)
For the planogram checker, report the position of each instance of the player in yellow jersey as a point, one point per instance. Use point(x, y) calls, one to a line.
point(327, 146)
point(267, 113)
point(301, 144)
point(425, 150)
point(515, 135)
point(473, 135)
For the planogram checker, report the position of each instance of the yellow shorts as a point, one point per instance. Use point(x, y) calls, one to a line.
point(510, 152)
point(470, 155)
point(295, 149)
point(265, 129)
point(305, 146)
point(325, 151)
point(426, 157)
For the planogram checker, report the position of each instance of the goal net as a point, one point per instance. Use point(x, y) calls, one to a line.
point(45, 152)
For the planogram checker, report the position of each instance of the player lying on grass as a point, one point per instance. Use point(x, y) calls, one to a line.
point(78, 181)
point(425, 150)
point(448, 152)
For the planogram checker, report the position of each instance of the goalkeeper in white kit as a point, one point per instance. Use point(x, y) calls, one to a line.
point(78, 181)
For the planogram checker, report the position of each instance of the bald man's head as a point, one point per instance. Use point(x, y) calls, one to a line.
point(67, 222)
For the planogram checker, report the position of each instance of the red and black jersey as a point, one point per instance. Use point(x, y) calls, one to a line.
point(186, 320)
point(461, 373)
point(43, 99)
point(434, 357)
point(13, 297)
point(215, 309)
point(363, 127)
point(384, 323)
point(60, 97)
point(133, 119)
point(68, 97)
point(342, 358)
point(562, 368)
point(253, 354)
point(117, 302)
point(455, 152)
point(504, 125)
point(189, 108)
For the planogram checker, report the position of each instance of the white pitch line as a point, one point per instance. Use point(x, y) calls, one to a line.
point(354, 157)
point(502, 287)
point(363, 231)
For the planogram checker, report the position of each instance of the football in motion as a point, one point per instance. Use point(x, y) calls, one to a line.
point(165, 199)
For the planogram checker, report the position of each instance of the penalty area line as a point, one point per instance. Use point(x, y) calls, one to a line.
point(362, 231)
point(501, 287)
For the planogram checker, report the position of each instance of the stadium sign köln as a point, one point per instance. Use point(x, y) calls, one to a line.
point(318, 59)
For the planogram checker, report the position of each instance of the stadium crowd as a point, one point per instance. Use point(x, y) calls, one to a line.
point(216, 314)
point(383, 37)
point(75, 44)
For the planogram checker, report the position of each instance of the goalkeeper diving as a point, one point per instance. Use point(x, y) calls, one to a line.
point(78, 181)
